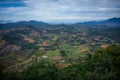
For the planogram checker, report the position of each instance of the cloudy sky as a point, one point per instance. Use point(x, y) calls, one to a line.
point(59, 10)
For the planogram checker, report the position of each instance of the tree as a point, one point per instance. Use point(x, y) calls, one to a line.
point(41, 70)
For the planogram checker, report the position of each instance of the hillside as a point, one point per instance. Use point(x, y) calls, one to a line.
point(100, 65)
point(61, 46)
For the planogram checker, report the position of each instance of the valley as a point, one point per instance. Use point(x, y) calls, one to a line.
point(69, 42)
point(62, 44)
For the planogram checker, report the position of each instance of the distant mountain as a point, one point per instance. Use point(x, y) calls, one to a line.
point(109, 22)
point(115, 20)
point(23, 24)
point(5, 21)
point(33, 23)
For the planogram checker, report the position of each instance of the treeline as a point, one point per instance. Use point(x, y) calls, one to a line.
point(102, 65)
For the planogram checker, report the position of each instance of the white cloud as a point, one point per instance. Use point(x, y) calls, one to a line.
point(62, 10)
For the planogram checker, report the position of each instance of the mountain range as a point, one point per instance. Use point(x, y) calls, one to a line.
point(109, 22)
point(23, 24)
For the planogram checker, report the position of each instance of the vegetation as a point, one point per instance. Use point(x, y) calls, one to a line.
point(59, 52)
point(102, 65)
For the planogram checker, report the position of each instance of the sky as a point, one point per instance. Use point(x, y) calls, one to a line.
point(57, 11)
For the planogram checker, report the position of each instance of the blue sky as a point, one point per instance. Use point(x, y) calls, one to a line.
point(59, 10)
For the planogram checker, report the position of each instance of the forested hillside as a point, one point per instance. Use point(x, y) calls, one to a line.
point(103, 64)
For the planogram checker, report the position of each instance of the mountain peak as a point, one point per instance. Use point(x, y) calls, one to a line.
point(114, 20)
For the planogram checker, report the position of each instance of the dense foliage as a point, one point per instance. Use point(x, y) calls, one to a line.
point(102, 65)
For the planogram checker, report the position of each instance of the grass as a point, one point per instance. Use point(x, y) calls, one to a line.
point(12, 56)
point(51, 54)
point(73, 52)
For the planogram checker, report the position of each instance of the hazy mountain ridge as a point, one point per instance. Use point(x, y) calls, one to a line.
point(21, 24)
point(5, 21)
point(108, 22)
